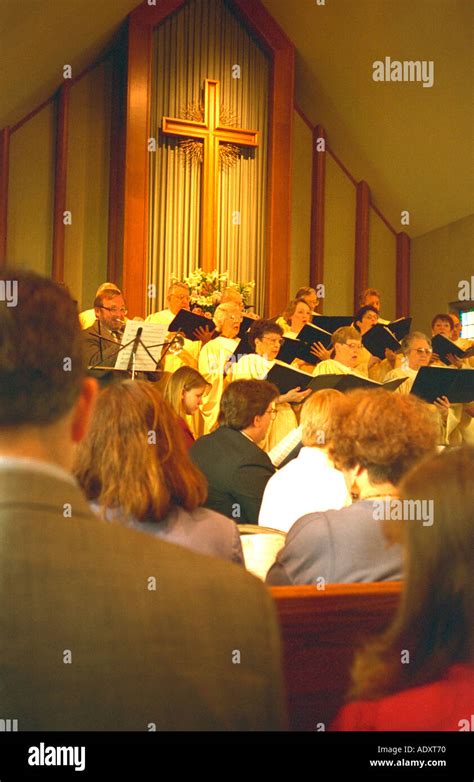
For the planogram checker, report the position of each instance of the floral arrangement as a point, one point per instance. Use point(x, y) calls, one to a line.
point(206, 289)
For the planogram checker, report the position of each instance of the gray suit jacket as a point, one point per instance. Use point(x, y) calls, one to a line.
point(105, 628)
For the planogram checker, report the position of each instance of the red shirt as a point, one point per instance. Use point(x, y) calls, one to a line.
point(444, 705)
point(188, 435)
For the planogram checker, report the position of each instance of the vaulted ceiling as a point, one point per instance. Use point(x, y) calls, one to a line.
point(412, 144)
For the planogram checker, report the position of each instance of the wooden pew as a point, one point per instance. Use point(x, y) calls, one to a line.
point(320, 631)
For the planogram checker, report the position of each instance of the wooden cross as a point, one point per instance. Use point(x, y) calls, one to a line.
point(212, 134)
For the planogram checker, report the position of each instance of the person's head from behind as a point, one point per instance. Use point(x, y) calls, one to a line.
point(308, 295)
point(380, 436)
point(45, 399)
point(178, 297)
point(366, 318)
point(110, 308)
point(371, 296)
point(228, 318)
point(317, 418)
point(266, 337)
point(297, 314)
point(416, 347)
point(184, 390)
point(347, 345)
point(133, 459)
point(434, 620)
point(249, 406)
point(442, 324)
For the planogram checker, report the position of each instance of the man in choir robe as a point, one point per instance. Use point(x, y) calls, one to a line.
point(237, 470)
point(88, 318)
point(104, 628)
point(102, 339)
point(347, 348)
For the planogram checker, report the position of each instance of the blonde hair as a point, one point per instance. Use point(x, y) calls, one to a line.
point(291, 308)
point(132, 458)
point(184, 379)
point(317, 416)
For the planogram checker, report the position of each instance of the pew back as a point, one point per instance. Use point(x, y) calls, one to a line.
point(321, 629)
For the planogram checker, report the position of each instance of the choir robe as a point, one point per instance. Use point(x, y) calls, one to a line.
point(333, 367)
point(458, 425)
point(213, 360)
point(255, 367)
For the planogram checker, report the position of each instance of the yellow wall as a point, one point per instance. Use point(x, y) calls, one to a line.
point(301, 204)
point(383, 263)
point(30, 193)
point(88, 183)
point(339, 240)
point(439, 261)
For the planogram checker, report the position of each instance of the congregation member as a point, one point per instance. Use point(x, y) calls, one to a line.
point(102, 625)
point(184, 390)
point(102, 340)
point(432, 690)
point(265, 337)
point(310, 482)
point(87, 318)
point(236, 468)
point(214, 358)
point(380, 436)
point(139, 474)
point(347, 345)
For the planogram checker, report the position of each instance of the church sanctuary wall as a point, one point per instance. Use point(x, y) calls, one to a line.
point(300, 204)
point(382, 268)
point(87, 193)
point(440, 260)
point(339, 230)
point(31, 192)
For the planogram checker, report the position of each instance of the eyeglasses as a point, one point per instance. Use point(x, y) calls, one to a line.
point(354, 345)
point(420, 351)
point(123, 310)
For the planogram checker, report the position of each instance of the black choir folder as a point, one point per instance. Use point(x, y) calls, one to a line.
point(285, 378)
point(379, 339)
point(331, 322)
point(187, 322)
point(456, 384)
point(311, 334)
point(296, 348)
point(400, 328)
point(443, 347)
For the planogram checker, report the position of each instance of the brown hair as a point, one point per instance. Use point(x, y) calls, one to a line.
point(302, 292)
point(443, 318)
point(242, 400)
point(434, 620)
point(368, 292)
point(41, 358)
point(384, 433)
point(262, 327)
point(183, 379)
point(317, 417)
point(290, 310)
point(132, 457)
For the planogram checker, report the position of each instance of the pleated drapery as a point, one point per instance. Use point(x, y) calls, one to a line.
point(202, 41)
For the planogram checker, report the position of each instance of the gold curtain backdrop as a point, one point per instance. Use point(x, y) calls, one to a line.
point(204, 40)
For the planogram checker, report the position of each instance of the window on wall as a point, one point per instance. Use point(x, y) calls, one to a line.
point(467, 322)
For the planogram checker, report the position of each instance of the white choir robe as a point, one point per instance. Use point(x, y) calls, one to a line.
point(333, 367)
point(213, 361)
point(255, 367)
point(173, 361)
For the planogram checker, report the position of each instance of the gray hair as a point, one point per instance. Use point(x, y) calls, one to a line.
point(223, 311)
point(407, 341)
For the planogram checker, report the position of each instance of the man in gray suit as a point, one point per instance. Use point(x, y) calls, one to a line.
point(104, 628)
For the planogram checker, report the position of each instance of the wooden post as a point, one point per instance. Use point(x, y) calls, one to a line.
point(403, 275)
point(316, 262)
point(60, 182)
point(4, 163)
point(361, 260)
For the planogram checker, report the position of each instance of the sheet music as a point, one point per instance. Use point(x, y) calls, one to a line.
point(152, 334)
